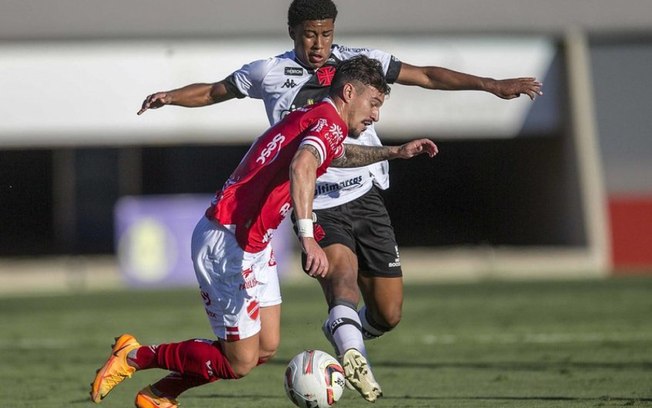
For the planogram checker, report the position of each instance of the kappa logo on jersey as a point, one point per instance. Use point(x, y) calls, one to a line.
point(273, 145)
point(289, 83)
point(293, 71)
point(325, 75)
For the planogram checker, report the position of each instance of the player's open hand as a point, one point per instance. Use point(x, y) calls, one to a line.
point(316, 261)
point(155, 101)
point(514, 87)
point(417, 147)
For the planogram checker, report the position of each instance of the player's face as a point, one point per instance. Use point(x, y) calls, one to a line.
point(364, 110)
point(312, 41)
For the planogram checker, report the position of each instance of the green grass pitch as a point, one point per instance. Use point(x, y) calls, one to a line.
point(490, 344)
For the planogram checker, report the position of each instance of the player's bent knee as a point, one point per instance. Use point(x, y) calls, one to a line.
point(242, 368)
point(377, 323)
point(265, 356)
point(242, 357)
point(391, 320)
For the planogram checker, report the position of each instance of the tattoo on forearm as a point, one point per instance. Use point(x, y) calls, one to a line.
point(358, 156)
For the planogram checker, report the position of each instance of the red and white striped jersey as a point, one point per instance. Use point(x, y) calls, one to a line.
point(256, 197)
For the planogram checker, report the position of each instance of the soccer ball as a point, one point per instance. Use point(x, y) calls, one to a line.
point(314, 379)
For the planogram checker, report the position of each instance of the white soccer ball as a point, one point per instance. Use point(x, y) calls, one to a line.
point(314, 379)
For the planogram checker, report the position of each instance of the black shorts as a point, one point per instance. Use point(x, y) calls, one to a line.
point(364, 226)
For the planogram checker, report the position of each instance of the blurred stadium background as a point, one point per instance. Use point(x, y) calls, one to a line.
point(93, 196)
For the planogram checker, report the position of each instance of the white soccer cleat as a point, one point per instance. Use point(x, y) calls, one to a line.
point(358, 375)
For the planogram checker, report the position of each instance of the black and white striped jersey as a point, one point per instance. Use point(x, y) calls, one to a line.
point(284, 85)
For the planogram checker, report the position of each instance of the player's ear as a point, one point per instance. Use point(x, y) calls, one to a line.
point(291, 33)
point(348, 91)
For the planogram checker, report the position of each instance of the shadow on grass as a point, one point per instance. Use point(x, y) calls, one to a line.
point(447, 398)
point(505, 365)
point(624, 400)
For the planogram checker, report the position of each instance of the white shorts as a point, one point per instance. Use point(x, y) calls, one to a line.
point(234, 284)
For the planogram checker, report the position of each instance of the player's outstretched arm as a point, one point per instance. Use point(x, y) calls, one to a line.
point(358, 155)
point(190, 96)
point(449, 80)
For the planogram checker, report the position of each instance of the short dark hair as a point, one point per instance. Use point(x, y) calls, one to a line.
point(308, 10)
point(363, 70)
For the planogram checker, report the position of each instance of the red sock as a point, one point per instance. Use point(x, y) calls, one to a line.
point(145, 357)
point(174, 384)
point(190, 358)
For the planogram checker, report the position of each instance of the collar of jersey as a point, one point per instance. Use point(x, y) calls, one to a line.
point(330, 61)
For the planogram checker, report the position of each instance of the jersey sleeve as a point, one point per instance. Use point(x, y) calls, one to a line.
point(326, 138)
point(248, 80)
point(319, 146)
point(391, 64)
point(315, 138)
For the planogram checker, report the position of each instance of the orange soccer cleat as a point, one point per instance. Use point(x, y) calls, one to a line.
point(147, 399)
point(116, 368)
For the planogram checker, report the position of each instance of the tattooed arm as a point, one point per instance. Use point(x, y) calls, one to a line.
point(358, 155)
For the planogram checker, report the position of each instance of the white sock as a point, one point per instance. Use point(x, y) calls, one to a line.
point(344, 324)
point(369, 332)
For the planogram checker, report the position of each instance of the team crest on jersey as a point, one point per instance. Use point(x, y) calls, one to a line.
point(294, 71)
point(252, 309)
point(325, 75)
